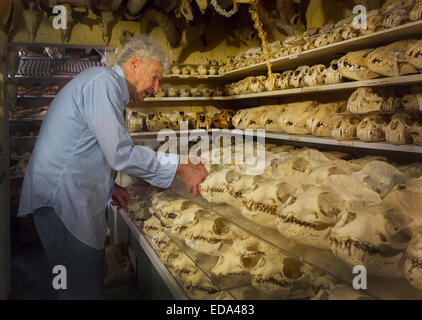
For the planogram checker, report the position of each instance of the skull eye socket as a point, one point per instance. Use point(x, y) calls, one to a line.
point(364, 124)
point(151, 116)
point(291, 268)
point(220, 226)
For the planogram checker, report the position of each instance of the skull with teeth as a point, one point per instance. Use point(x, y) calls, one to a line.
point(284, 82)
point(170, 254)
point(353, 66)
point(261, 203)
point(370, 129)
point(414, 54)
point(375, 236)
point(416, 132)
point(186, 219)
point(238, 118)
point(391, 60)
point(296, 119)
point(253, 117)
point(209, 235)
point(336, 167)
point(156, 121)
point(310, 219)
point(161, 240)
point(332, 74)
point(413, 262)
point(232, 266)
point(134, 120)
point(381, 177)
point(314, 75)
point(215, 188)
point(199, 287)
point(365, 100)
point(345, 127)
point(416, 13)
point(396, 18)
point(298, 78)
point(171, 211)
point(270, 119)
point(175, 69)
point(281, 275)
point(397, 131)
point(182, 266)
point(201, 120)
point(324, 119)
point(223, 120)
point(257, 84)
point(152, 226)
point(374, 22)
point(413, 100)
point(252, 248)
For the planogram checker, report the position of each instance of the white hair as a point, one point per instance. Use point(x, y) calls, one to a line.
point(141, 45)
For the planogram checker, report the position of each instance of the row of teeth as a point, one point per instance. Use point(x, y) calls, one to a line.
point(351, 67)
point(260, 280)
point(233, 274)
point(192, 237)
point(292, 219)
point(208, 290)
point(415, 53)
point(351, 244)
point(170, 216)
point(213, 190)
point(259, 206)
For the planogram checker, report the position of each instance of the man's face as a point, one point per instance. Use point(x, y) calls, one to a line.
point(143, 77)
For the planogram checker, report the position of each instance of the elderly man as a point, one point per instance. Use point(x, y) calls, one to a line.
point(82, 144)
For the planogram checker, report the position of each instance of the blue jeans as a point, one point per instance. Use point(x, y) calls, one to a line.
point(84, 264)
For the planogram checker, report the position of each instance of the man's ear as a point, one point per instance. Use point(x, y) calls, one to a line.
point(135, 62)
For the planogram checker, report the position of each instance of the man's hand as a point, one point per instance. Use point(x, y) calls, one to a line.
point(192, 175)
point(120, 197)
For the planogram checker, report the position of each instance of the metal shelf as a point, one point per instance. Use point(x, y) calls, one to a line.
point(327, 53)
point(409, 148)
point(382, 82)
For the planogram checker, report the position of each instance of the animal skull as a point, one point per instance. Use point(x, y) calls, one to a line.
point(353, 66)
point(156, 121)
point(134, 120)
point(31, 17)
point(199, 287)
point(270, 119)
point(284, 82)
point(324, 118)
point(370, 129)
point(414, 54)
point(397, 131)
point(223, 120)
point(416, 132)
point(232, 266)
point(280, 274)
point(413, 262)
point(257, 84)
point(252, 248)
point(295, 119)
point(183, 267)
point(375, 236)
point(201, 120)
point(314, 76)
point(416, 12)
point(396, 18)
point(374, 22)
point(209, 235)
point(365, 100)
point(390, 60)
point(186, 219)
point(186, 9)
point(309, 220)
point(175, 69)
point(152, 226)
point(332, 74)
point(345, 127)
point(298, 77)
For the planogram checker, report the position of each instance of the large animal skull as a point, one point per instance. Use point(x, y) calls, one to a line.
point(395, 18)
point(199, 287)
point(374, 22)
point(270, 119)
point(397, 131)
point(414, 54)
point(413, 101)
point(156, 121)
point(298, 77)
point(416, 132)
point(281, 275)
point(376, 235)
point(223, 120)
point(234, 267)
point(209, 234)
point(416, 12)
point(370, 129)
point(261, 203)
point(152, 226)
point(353, 66)
point(390, 60)
point(183, 267)
point(296, 118)
point(332, 74)
point(257, 84)
point(314, 76)
point(172, 210)
point(381, 177)
point(345, 127)
point(134, 120)
point(325, 117)
point(284, 82)
point(413, 262)
point(365, 100)
point(309, 220)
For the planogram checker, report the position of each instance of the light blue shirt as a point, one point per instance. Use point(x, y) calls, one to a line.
point(82, 143)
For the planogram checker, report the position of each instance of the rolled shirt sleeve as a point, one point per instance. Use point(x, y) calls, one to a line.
point(103, 108)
